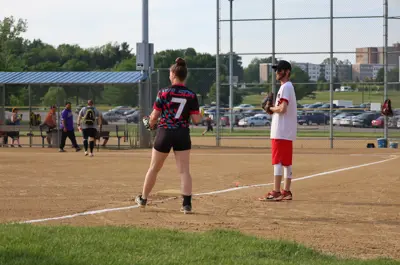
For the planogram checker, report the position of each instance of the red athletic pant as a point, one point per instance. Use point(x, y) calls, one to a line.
point(282, 152)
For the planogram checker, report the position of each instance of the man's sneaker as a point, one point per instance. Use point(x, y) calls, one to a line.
point(61, 150)
point(78, 149)
point(286, 195)
point(186, 209)
point(272, 196)
point(91, 154)
point(86, 153)
point(140, 201)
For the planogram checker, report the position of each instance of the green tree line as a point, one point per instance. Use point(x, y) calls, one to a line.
point(20, 54)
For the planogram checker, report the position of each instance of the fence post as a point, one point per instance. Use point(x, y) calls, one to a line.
point(331, 79)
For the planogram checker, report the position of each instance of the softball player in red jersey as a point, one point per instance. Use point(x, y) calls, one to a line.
point(175, 106)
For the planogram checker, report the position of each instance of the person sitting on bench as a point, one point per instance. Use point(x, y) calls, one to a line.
point(49, 124)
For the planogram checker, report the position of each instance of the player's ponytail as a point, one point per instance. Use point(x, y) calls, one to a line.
point(180, 69)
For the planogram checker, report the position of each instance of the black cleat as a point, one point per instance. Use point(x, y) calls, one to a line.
point(186, 209)
point(140, 201)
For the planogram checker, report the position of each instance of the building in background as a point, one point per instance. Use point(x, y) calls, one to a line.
point(265, 72)
point(315, 71)
point(345, 72)
point(365, 72)
point(374, 55)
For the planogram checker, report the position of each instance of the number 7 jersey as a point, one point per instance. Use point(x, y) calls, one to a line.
point(176, 104)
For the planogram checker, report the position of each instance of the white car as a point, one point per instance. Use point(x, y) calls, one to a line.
point(243, 107)
point(263, 115)
point(338, 118)
point(348, 121)
point(254, 121)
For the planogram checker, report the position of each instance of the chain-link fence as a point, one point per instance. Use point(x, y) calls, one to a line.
point(345, 64)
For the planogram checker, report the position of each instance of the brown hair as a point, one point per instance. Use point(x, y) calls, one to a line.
point(180, 69)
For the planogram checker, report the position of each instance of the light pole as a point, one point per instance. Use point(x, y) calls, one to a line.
point(231, 122)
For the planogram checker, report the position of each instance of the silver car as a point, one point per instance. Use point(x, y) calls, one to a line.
point(338, 118)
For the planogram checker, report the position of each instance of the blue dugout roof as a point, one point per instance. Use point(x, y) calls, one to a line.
point(71, 78)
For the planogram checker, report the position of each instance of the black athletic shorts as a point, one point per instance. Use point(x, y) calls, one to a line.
point(178, 139)
point(89, 132)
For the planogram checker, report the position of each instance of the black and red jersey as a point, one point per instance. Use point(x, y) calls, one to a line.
point(176, 104)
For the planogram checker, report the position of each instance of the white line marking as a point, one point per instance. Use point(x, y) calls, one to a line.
point(392, 157)
point(297, 179)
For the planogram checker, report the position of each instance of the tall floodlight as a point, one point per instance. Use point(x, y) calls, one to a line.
point(231, 122)
point(144, 63)
point(217, 81)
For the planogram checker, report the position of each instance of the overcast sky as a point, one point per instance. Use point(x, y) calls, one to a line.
point(192, 23)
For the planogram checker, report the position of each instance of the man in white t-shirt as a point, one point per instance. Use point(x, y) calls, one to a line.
point(283, 133)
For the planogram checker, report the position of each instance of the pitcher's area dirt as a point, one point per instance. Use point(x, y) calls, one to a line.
point(352, 213)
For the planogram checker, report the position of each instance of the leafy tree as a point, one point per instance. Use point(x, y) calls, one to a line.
point(124, 95)
point(11, 43)
point(302, 90)
point(55, 95)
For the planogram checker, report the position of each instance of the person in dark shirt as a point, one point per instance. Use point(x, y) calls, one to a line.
point(67, 127)
point(175, 106)
point(209, 125)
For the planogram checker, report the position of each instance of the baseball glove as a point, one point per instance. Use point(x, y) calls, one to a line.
point(268, 102)
point(146, 122)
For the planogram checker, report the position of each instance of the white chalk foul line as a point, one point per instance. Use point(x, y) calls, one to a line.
point(297, 179)
point(204, 193)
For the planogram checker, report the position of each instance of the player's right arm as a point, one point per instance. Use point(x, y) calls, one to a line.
point(157, 108)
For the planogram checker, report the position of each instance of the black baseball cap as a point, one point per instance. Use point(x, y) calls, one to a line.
point(282, 65)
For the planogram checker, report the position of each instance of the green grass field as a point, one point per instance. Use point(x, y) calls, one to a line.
point(356, 97)
point(62, 245)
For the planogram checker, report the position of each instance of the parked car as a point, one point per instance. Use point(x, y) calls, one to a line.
point(313, 106)
point(128, 112)
point(225, 119)
point(243, 107)
point(310, 118)
point(121, 109)
point(393, 121)
point(133, 118)
point(365, 119)
point(111, 116)
point(343, 115)
point(252, 112)
point(212, 111)
point(326, 107)
point(254, 121)
point(378, 122)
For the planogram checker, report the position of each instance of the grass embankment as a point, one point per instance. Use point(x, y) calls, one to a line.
point(61, 245)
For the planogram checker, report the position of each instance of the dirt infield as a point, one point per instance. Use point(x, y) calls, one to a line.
point(353, 213)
